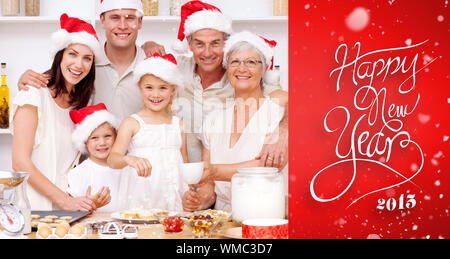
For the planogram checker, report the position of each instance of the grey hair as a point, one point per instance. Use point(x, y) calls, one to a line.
point(242, 46)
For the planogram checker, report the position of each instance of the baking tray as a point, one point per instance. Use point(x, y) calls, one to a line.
point(76, 215)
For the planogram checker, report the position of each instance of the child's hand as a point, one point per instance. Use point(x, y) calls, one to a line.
point(101, 198)
point(142, 165)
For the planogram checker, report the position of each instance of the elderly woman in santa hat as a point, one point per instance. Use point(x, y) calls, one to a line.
point(233, 138)
point(42, 143)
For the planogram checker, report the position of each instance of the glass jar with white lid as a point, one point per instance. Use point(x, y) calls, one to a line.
point(257, 192)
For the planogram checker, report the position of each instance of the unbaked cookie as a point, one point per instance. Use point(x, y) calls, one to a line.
point(46, 220)
point(35, 216)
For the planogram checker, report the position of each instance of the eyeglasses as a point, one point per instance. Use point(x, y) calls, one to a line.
point(250, 63)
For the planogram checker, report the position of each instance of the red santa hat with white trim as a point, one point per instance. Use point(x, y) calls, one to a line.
point(74, 30)
point(165, 67)
point(108, 5)
point(262, 44)
point(87, 119)
point(196, 15)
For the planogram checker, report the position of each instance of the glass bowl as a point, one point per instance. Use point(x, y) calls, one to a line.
point(222, 216)
point(171, 222)
point(201, 226)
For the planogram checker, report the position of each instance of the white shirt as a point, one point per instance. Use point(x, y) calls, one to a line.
point(120, 94)
point(89, 173)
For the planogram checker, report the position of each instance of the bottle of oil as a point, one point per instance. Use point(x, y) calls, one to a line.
point(4, 100)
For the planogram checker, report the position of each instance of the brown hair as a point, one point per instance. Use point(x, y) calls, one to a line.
point(82, 91)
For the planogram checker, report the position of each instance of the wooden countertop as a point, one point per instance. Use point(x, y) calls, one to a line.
point(152, 231)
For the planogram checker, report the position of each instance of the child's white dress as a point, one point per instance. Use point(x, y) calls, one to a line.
point(163, 189)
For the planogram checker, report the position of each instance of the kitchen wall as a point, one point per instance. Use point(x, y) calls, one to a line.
point(24, 43)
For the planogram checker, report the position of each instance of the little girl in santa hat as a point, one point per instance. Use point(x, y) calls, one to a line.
point(155, 141)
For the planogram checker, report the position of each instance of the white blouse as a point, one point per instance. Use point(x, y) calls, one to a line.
point(53, 152)
point(216, 138)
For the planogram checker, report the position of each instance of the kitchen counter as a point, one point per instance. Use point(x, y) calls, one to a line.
point(152, 231)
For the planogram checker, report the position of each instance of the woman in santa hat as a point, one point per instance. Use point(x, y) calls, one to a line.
point(42, 143)
point(232, 138)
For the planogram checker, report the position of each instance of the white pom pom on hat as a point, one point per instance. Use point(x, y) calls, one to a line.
point(197, 15)
point(180, 46)
point(271, 77)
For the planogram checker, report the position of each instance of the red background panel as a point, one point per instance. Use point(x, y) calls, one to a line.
point(418, 32)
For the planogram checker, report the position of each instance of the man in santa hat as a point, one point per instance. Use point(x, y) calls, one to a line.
point(114, 85)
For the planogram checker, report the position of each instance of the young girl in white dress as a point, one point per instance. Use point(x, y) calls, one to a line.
point(151, 143)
